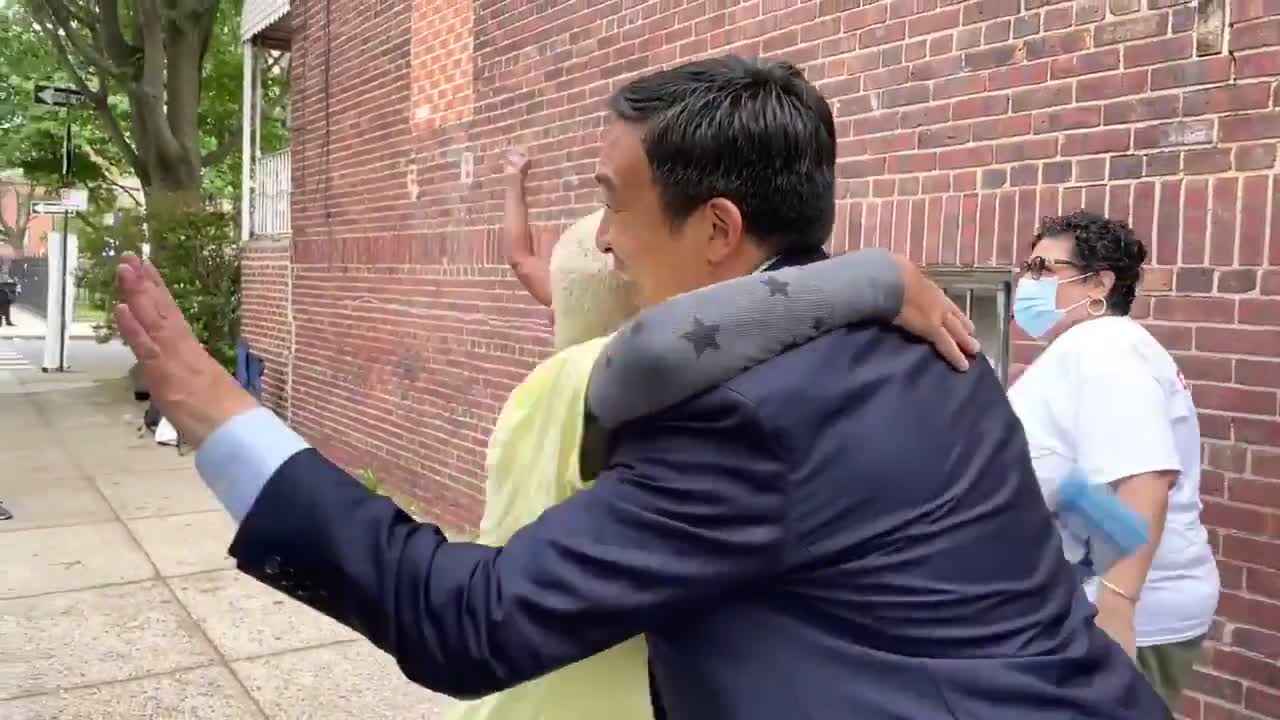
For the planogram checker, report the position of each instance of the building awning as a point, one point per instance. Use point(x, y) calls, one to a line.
point(258, 15)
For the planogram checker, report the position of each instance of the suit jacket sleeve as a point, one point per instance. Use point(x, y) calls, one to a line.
point(690, 509)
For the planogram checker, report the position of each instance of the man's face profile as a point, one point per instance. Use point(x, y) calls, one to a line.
point(660, 258)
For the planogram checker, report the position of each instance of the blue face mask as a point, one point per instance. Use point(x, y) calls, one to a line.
point(1035, 304)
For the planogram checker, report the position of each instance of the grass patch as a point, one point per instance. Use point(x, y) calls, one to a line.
point(85, 312)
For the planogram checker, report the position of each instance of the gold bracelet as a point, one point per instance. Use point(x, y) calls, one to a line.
point(1112, 587)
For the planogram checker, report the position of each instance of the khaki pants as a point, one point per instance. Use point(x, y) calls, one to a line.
point(1167, 667)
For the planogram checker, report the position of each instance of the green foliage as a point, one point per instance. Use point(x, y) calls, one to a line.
point(101, 247)
point(31, 135)
point(198, 253)
point(373, 484)
point(369, 479)
point(199, 258)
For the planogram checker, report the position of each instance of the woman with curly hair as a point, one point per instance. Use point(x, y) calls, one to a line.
point(1107, 400)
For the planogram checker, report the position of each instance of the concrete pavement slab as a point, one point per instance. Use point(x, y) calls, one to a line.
point(149, 493)
point(210, 693)
point(50, 501)
point(16, 414)
point(37, 461)
point(31, 325)
point(186, 544)
point(245, 618)
point(50, 560)
point(129, 454)
point(347, 680)
point(74, 639)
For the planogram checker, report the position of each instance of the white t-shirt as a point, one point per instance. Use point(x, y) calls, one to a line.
point(1106, 396)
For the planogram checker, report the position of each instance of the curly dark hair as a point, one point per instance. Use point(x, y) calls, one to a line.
point(1102, 244)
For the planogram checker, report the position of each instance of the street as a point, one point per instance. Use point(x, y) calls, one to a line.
point(83, 356)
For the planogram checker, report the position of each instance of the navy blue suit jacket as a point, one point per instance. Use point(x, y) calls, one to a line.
point(850, 530)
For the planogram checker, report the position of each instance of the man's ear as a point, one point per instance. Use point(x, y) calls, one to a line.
point(726, 230)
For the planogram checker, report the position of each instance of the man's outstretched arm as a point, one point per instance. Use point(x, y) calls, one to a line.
point(690, 510)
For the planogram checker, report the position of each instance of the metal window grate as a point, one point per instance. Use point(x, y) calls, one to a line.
point(985, 296)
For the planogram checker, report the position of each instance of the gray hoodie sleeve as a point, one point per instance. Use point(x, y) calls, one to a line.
point(695, 341)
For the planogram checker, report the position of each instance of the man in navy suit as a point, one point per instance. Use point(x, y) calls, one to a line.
point(849, 530)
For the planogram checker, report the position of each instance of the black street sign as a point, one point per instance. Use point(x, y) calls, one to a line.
point(58, 96)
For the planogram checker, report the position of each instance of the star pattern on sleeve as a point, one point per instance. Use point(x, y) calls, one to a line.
point(777, 286)
point(702, 336)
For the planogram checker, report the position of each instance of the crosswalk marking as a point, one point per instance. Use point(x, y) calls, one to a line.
point(10, 360)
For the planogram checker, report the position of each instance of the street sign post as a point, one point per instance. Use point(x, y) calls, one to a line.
point(65, 98)
point(56, 96)
point(76, 198)
point(52, 207)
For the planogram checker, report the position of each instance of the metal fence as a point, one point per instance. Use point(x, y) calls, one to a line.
point(271, 186)
point(32, 273)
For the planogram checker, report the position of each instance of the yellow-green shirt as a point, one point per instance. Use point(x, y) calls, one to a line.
point(532, 464)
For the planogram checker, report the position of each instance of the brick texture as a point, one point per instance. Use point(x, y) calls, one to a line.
point(961, 123)
point(264, 311)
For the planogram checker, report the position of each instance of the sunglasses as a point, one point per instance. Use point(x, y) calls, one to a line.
point(1035, 266)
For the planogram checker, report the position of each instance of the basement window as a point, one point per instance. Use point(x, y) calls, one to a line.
point(986, 296)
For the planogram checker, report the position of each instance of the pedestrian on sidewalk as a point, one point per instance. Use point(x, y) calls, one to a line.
point(8, 296)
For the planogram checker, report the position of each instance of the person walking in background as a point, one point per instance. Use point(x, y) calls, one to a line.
point(8, 296)
point(572, 274)
point(1105, 397)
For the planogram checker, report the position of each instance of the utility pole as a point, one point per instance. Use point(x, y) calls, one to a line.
point(66, 99)
point(62, 256)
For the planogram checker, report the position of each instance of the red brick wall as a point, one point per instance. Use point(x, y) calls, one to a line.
point(264, 315)
point(961, 123)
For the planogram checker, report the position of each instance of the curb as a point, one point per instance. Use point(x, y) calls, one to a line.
point(41, 336)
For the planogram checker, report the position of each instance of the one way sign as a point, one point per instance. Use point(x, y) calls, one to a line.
point(58, 96)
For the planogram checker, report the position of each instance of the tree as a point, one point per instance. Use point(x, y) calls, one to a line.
point(31, 135)
point(141, 65)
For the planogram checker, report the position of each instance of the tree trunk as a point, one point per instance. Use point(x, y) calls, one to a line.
point(159, 64)
point(16, 231)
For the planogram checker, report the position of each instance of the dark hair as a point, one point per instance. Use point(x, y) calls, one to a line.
point(1102, 244)
point(752, 131)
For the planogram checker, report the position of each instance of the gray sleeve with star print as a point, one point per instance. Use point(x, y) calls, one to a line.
point(695, 341)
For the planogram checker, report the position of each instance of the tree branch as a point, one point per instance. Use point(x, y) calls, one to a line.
point(64, 58)
point(90, 223)
point(225, 148)
point(118, 49)
point(125, 189)
point(81, 13)
point(148, 95)
point(103, 163)
point(62, 16)
point(97, 98)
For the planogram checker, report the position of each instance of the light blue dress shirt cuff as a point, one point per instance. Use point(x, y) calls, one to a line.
point(238, 459)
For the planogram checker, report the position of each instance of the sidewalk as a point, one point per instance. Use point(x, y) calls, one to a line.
point(117, 599)
point(30, 326)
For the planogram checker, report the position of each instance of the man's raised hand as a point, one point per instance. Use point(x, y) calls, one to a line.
point(188, 386)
